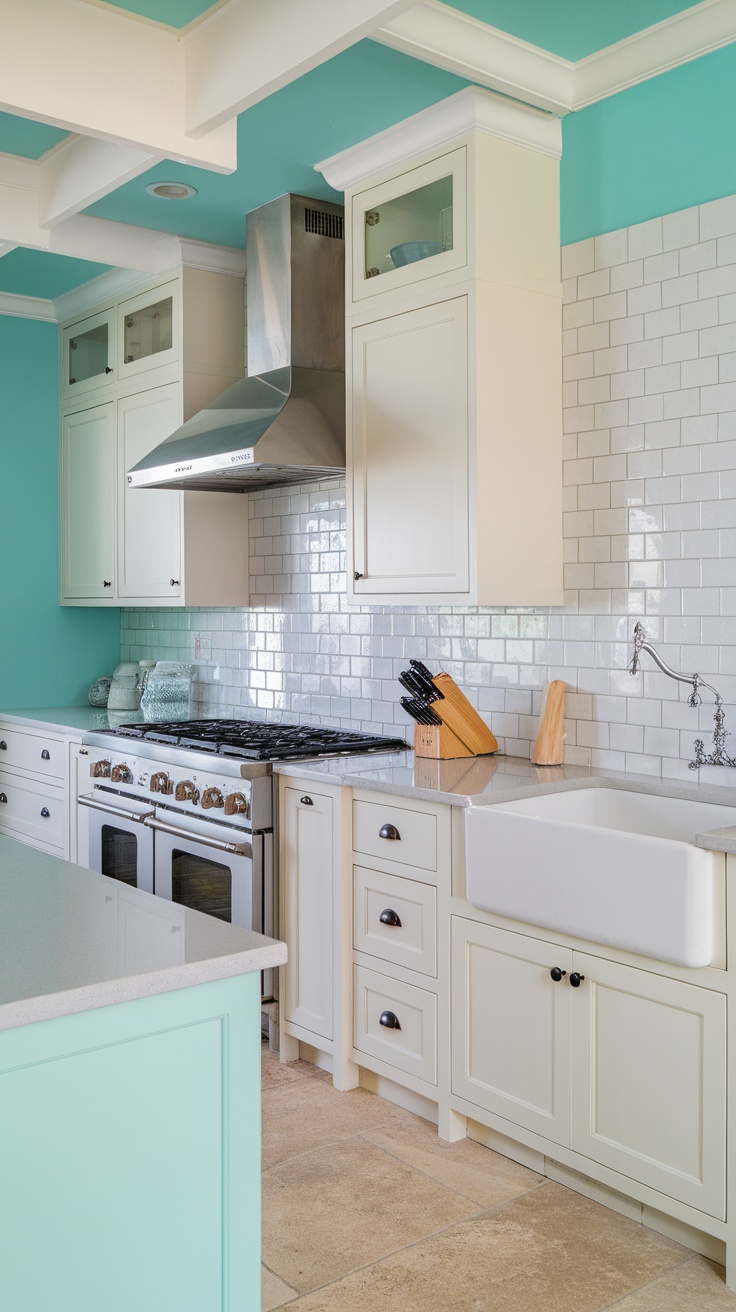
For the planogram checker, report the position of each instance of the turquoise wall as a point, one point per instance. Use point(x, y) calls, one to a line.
point(49, 654)
point(662, 146)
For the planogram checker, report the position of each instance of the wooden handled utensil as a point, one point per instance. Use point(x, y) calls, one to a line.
point(549, 749)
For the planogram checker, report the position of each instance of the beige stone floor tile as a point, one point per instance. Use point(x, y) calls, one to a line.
point(548, 1251)
point(274, 1291)
point(474, 1171)
point(274, 1073)
point(327, 1212)
point(303, 1114)
point(696, 1286)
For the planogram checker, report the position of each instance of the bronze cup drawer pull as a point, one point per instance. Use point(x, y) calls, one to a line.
point(45, 812)
point(389, 917)
point(306, 801)
point(389, 831)
point(3, 797)
point(3, 745)
point(389, 1020)
point(45, 755)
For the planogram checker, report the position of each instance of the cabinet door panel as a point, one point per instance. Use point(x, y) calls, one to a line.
point(149, 536)
point(511, 1027)
point(307, 913)
point(649, 1080)
point(87, 503)
point(410, 452)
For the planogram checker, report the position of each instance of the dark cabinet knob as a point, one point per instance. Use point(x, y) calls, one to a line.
point(45, 812)
point(306, 801)
point(3, 798)
point(357, 575)
point(3, 745)
point(557, 974)
point(576, 980)
point(389, 917)
point(389, 1020)
point(72, 380)
point(45, 756)
point(174, 583)
point(106, 583)
point(389, 831)
point(108, 369)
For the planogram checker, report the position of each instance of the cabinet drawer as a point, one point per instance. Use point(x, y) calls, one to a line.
point(407, 935)
point(22, 804)
point(412, 1047)
point(396, 834)
point(33, 752)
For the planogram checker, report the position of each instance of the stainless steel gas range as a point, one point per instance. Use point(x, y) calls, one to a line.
point(185, 809)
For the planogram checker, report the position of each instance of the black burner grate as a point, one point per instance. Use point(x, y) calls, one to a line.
point(256, 741)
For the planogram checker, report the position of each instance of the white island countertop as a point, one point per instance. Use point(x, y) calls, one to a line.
point(72, 940)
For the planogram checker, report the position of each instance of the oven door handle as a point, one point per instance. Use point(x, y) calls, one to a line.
point(111, 809)
point(219, 844)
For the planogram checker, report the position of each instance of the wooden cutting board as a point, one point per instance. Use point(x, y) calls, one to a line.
point(549, 747)
point(461, 717)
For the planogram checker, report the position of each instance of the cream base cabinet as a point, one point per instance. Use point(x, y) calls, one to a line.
point(314, 921)
point(627, 1068)
point(410, 453)
point(87, 504)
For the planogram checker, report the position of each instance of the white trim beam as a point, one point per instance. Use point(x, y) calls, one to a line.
point(678, 40)
point(438, 35)
point(250, 48)
point(97, 71)
point(485, 55)
point(82, 170)
point(27, 307)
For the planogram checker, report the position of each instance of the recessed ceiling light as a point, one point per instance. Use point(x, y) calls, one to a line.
point(171, 190)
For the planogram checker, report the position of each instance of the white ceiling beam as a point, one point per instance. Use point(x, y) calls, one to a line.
point(484, 55)
point(678, 40)
point(248, 49)
point(82, 170)
point(98, 71)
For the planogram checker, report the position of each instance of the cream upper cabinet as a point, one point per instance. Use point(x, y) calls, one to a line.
point(149, 330)
point(88, 355)
point(410, 453)
point(625, 1066)
point(471, 220)
point(87, 503)
point(149, 521)
point(183, 344)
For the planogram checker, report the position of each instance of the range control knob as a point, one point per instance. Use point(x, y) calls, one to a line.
point(121, 774)
point(99, 769)
point(236, 804)
point(212, 797)
point(161, 782)
point(186, 791)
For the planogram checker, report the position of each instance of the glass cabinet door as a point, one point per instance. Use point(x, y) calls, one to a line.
point(411, 227)
point(148, 330)
point(87, 354)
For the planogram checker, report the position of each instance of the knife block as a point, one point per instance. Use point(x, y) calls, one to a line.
point(439, 742)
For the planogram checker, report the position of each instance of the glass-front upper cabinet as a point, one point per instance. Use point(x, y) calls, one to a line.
point(410, 228)
point(148, 330)
point(88, 354)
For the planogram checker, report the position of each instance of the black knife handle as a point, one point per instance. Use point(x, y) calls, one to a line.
point(408, 681)
point(426, 679)
point(408, 706)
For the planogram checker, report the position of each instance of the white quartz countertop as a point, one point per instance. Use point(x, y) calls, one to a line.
point(70, 721)
point(71, 940)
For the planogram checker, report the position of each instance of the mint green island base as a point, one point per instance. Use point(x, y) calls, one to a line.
point(129, 1126)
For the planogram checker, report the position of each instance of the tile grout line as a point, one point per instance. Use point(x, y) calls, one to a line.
point(610, 1307)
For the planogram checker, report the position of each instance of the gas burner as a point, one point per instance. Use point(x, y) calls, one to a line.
point(254, 740)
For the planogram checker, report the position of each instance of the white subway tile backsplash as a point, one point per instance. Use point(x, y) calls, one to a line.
point(650, 532)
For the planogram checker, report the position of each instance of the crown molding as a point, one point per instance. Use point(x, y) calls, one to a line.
point(472, 110)
point(27, 307)
point(485, 55)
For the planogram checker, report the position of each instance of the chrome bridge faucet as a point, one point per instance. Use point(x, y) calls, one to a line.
point(719, 756)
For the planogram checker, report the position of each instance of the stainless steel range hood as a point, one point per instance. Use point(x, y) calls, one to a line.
point(285, 422)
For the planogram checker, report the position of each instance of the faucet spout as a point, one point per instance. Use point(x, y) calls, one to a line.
point(718, 756)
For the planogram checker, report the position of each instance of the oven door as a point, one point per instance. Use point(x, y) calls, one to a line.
point(120, 845)
point(209, 867)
